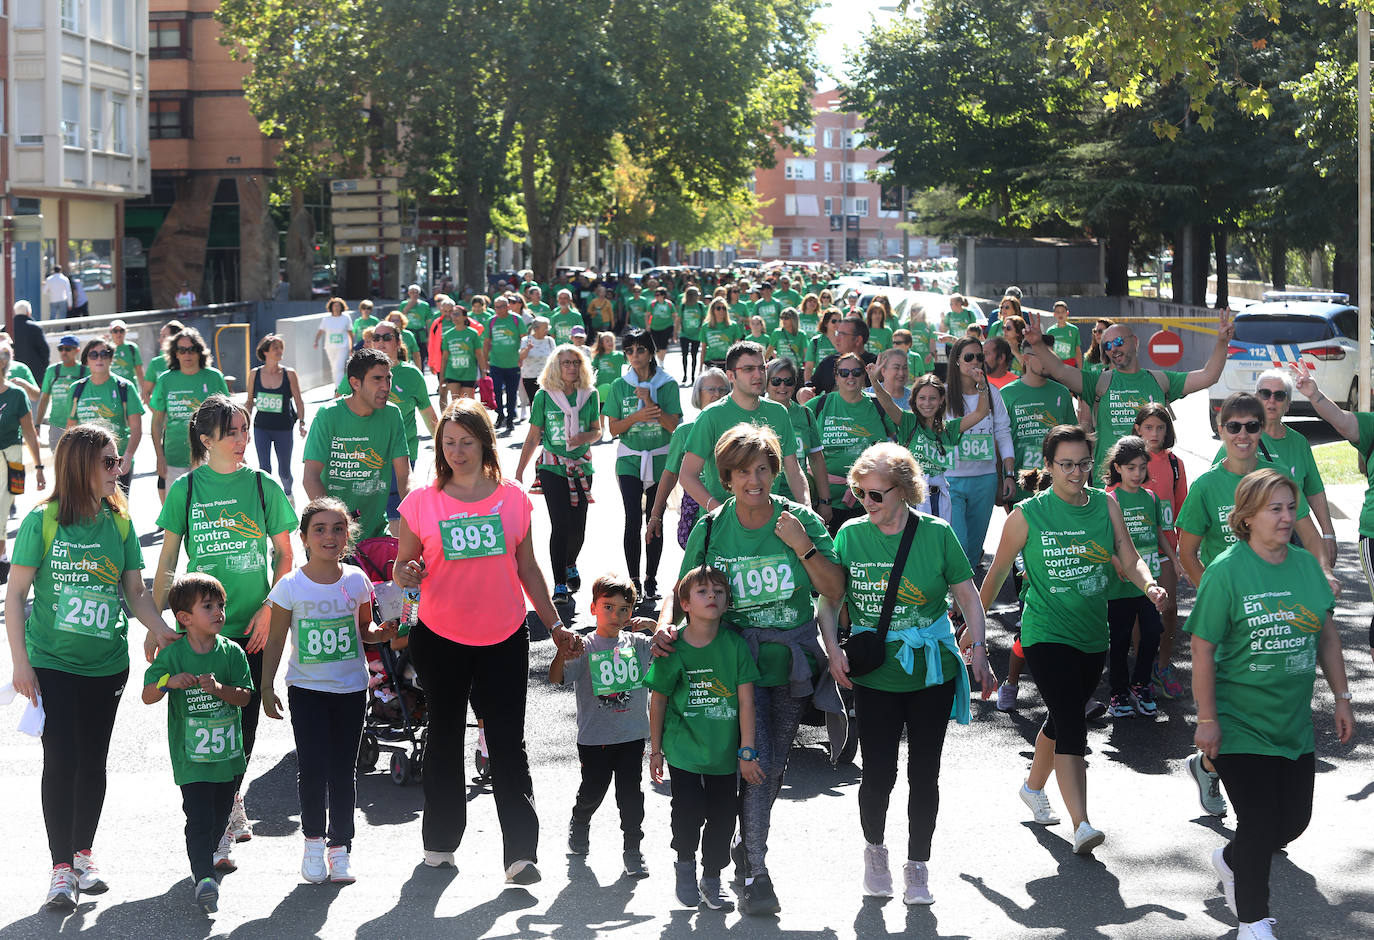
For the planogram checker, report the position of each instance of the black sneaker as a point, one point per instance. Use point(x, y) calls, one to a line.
point(741, 860)
point(685, 873)
point(572, 579)
point(711, 895)
point(579, 837)
point(634, 864)
point(651, 591)
point(759, 897)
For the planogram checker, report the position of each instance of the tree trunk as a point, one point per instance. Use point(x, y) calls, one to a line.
point(1201, 263)
point(258, 241)
point(1278, 260)
point(1223, 292)
point(1119, 243)
point(478, 206)
point(300, 247)
point(177, 253)
point(1345, 274)
point(1179, 275)
point(544, 228)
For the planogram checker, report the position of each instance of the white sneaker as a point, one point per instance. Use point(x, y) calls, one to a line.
point(222, 858)
point(62, 889)
point(1259, 930)
point(440, 859)
point(1227, 876)
point(877, 873)
point(917, 877)
point(88, 874)
point(1086, 838)
point(239, 827)
point(313, 869)
point(1039, 805)
point(340, 870)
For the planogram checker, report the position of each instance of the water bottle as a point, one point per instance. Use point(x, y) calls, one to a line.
point(410, 608)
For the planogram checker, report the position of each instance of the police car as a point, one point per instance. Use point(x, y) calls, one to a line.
point(1316, 328)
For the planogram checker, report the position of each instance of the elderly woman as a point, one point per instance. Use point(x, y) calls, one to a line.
point(774, 552)
point(849, 420)
point(711, 386)
point(894, 369)
point(919, 682)
point(1262, 622)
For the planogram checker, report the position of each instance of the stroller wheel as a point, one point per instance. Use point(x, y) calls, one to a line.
point(400, 768)
point(417, 766)
point(368, 752)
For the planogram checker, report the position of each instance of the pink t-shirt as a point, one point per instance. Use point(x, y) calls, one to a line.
point(473, 594)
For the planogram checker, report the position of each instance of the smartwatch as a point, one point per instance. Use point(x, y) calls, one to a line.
point(747, 753)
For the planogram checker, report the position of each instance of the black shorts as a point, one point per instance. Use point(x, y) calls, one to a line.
point(662, 337)
point(470, 386)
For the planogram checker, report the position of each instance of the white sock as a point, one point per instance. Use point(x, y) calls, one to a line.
point(747, 881)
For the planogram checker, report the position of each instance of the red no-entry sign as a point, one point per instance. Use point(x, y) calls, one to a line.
point(816, 248)
point(1166, 349)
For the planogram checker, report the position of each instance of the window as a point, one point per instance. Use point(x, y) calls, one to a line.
point(807, 135)
point(789, 204)
point(95, 18)
point(847, 141)
point(167, 39)
point(98, 125)
point(830, 172)
point(169, 118)
point(856, 205)
point(28, 99)
point(856, 139)
point(71, 115)
point(795, 169)
point(119, 124)
point(829, 204)
point(90, 259)
point(829, 137)
point(798, 247)
point(808, 205)
point(855, 172)
point(119, 23)
point(71, 14)
point(29, 16)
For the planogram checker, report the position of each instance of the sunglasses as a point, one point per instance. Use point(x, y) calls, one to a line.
point(118, 329)
point(185, 349)
point(112, 462)
point(384, 337)
point(633, 350)
point(849, 373)
point(1268, 393)
point(1235, 427)
point(876, 495)
point(1111, 344)
point(100, 354)
point(973, 357)
point(778, 380)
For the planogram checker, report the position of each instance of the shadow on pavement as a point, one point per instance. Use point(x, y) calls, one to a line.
point(415, 913)
point(171, 914)
point(586, 909)
point(921, 921)
point(271, 798)
point(306, 909)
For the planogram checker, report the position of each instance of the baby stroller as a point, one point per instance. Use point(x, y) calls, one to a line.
point(395, 719)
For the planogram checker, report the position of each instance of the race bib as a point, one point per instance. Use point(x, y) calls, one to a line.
point(614, 672)
point(472, 537)
point(338, 339)
point(463, 359)
point(327, 640)
point(976, 447)
point(210, 739)
point(755, 582)
point(269, 402)
point(87, 611)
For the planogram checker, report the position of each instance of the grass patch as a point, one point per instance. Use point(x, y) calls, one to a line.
point(1338, 463)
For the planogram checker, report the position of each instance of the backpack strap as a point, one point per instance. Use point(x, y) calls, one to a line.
point(122, 525)
point(894, 579)
point(1104, 381)
point(1173, 465)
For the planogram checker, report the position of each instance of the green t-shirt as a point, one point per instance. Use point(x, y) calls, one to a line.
point(771, 311)
point(718, 338)
point(789, 345)
point(361, 324)
point(741, 311)
point(409, 393)
point(1116, 410)
point(204, 732)
point(808, 323)
point(1065, 340)
point(1266, 621)
point(958, 323)
point(847, 430)
point(357, 455)
point(788, 298)
point(156, 366)
point(231, 533)
point(77, 623)
point(721, 416)
point(14, 404)
point(661, 314)
point(505, 334)
point(808, 441)
point(644, 435)
point(1144, 518)
point(934, 452)
point(922, 334)
point(109, 405)
point(461, 347)
point(1032, 413)
point(418, 317)
point(20, 371)
point(1208, 505)
point(638, 311)
point(935, 564)
point(547, 416)
point(606, 368)
point(879, 338)
point(412, 347)
point(57, 385)
point(1293, 454)
point(677, 447)
point(540, 309)
point(769, 586)
point(1068, 556)
point(1365, 447)
point(819, 348)
point(701, 724)
point(692, 317)
point(561, 325)
point(126, 359)
point(178, 395)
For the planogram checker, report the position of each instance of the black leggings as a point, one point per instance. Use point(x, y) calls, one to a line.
point(80, 714)
point(624, 763)
point(1066, 677)
point(531, 388)
point(690, 348)
point(703, 811)
point(1122, 614)
point(253, 711)
point(567, 523)
point(327, 727)
point(207, 807)
point(840, 514)
point(882, 716)
point(1273, 801)
point(634, 494)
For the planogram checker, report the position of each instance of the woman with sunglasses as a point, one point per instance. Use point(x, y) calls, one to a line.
point(109, 400)
point(128, 360)
point(718, 334)
point(1203, 532)
point(1071, 537)
point(643, 409)
point(782, 388)
point(821, 346)
point(849, 420)
point(787, 340)
point(176, 396)
point(921, 682)
point(1094, 354)
point(408, 392)
point(981, 476)
point(710, 387)
point(740, 308)
point(72, 647)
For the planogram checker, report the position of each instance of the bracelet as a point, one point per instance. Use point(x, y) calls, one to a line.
point(822, 502)
point(1203, 721)
point(1331, 537)
point(1346, 696)
point(655, 753)
point(978, 643)
point(39, 466)
point(813, 551)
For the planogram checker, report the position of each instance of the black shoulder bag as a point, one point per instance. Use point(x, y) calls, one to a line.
point(867, 650)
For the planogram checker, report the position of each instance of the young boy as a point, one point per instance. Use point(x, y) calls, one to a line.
point(701, 711)
point(207, 677)
point(612, 718)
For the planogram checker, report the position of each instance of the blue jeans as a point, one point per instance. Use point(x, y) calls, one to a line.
point(266, 440)
point(971, 501)
point(507, 386)
point(57, 309)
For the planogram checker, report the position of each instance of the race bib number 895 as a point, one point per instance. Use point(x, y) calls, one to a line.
point(327, 640)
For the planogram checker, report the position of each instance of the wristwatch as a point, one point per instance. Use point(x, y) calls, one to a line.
point(822, 502)
point(1345, 695)
point(747, 753)
point(807, 556)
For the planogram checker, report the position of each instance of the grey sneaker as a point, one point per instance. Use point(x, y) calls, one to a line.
point(917, 877)
point(634, 864)
point(1227, 876)
point(1039, 805)
point(1259, 930)
point(877, 873)
point(88, 877)
point(1006, 697)
point(711, 895)
point(1208, 786)
point(207, 895)
point(685, 877)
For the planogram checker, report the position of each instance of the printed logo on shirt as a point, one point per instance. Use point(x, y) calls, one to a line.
point(910, 593)
point(354, 462)
point(64, 567)
point(100, 566)
point(1260, 613)
point(1074, 562)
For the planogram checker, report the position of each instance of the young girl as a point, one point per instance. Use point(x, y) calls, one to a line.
point(607, 366)
point(1167, 479)
point(326, 606)
point(1142, 510)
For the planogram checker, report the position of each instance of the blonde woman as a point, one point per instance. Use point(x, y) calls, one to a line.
point(565, 417)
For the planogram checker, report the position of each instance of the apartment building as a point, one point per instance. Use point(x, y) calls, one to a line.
point(73, 79)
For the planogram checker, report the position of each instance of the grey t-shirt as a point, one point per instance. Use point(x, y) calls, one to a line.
point(620, 663)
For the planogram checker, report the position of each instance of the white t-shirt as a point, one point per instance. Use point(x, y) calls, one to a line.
point(326, 649)
point(337, 331)
point(540, 351)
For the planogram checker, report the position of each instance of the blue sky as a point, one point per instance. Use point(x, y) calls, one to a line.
point(845, 23)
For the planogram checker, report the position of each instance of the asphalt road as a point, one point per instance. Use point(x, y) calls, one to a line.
point(993, 874)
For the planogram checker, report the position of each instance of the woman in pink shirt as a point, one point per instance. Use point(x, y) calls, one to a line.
point(465, 541)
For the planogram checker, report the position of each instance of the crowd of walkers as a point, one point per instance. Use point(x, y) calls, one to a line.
point(836, 482)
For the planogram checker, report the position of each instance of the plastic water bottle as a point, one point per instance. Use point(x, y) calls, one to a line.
point(410, 607)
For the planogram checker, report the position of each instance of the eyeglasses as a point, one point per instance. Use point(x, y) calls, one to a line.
point(1278, 394)
point(100, 354)
point(185, 349)
point(112, 462)
point(1235, 427)
point(778, 380)
point(714, 389)
point(1111, 344)
point(973, 357)
point(876, 495)
point(1069, 466)
point(849, 373)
